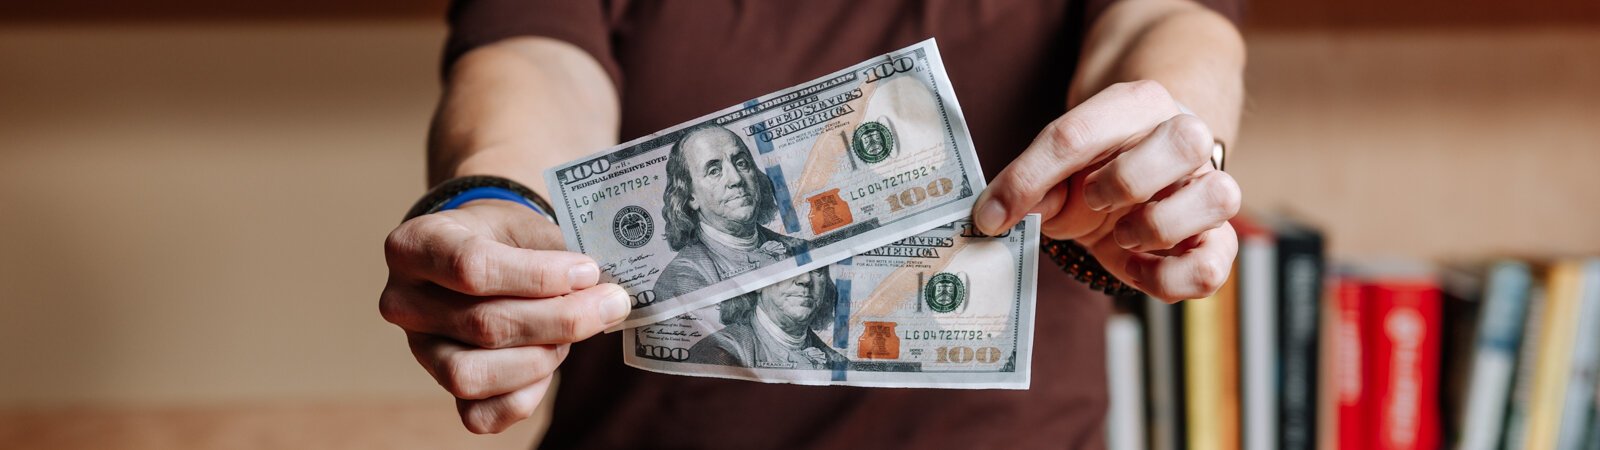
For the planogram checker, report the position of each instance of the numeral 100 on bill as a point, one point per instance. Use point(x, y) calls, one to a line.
point(918, 194)
point(959, 355)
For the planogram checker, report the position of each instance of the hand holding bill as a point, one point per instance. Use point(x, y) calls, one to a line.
point(490, 302)
point(1128, 175)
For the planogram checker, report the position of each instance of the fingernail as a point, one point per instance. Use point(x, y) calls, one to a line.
point(1132, 269)
point(583, 275)
point(990, 217)
point(1124, 237)
point(616, 305)
point(1094, 196)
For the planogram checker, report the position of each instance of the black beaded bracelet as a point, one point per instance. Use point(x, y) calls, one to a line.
point(1076, 261)
point(457, 191)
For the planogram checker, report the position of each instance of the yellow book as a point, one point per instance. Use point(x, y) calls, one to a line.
point(1551, 371)
point(1210, 359)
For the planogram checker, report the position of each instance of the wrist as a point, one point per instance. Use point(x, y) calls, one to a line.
point(458, 192)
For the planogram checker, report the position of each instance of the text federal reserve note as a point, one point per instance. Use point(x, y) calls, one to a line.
point(780, 185)
point(947, 308)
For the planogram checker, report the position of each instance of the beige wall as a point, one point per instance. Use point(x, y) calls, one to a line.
point(190, 217)
point(1429, 144)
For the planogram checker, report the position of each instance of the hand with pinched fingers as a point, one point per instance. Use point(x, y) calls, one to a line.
point(1128, 175)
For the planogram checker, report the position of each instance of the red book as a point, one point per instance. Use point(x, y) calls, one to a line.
point(1402, 332)
point(1347, 364)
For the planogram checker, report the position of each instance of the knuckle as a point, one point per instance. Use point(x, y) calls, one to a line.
point(1022, 178)
point(422, 227)
point(391, 306)
point(464, 377)
point(399, 245)
point(519, 407)
point(1223, 195)
point(1209, 276)
point(570, 324)
point(395, 244)
point(1067, 135)
point(486, 327)
point(1192, 138)
point(546, 275)
point(470, 267)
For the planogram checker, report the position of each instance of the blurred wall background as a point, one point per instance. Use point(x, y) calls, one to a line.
point(193, 194)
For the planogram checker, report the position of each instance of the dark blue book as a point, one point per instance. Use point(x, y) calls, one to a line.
point(1301, 261)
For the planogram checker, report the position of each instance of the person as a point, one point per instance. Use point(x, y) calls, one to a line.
point(772, 327)
point(1097, 114)
point(714, 204)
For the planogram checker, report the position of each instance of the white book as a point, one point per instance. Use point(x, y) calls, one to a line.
point(1585, 363)
point(1495, 355)
point(1258, 341)
point(1164, 369)
point(1125, 426)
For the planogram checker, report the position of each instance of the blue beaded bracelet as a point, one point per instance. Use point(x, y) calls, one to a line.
point(491, 193)
point(456, 192)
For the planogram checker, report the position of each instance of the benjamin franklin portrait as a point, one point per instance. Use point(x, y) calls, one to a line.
point(715, 202)
point(773, 327)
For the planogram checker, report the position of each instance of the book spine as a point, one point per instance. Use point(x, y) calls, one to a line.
point(1349, 391)
point(1516, 429)
point(1594, 423)
point(1210, 360)
point(1552, 371)
point(1498, 336)
point(1585, 362)
point(1300, 265)
point(1165, 374)
point(1125, 421)
point(1258, 341)
point(1404, 335)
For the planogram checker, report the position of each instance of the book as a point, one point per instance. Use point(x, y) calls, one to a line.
point(1553, 368)
point(1593, 441)
point(1493, 360)
point(1516, 428)
point(1164, 379)
point(1328, 383)
point(1300, 266)
point(1125, 423)
point(1211, 370)
point(1347, 364)
point(1402, 335)
point(1461, 286)
point(1585, 364)
point(1258, 334)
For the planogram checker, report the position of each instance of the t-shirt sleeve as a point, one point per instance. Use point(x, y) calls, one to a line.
point(1232, 9)
point(582, 23)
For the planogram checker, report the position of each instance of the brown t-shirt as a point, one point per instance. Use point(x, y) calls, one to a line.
point(1010, 62)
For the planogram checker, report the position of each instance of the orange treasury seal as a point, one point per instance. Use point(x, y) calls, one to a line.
point(828, 212)
point(878, 341)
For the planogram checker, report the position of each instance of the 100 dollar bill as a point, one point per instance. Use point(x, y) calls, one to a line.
point(948, 308)
point(780, 185)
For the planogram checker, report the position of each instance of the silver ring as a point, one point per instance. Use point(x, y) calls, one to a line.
point(1219, 155)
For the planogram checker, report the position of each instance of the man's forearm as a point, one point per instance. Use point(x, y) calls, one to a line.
point(516, 107)
point(1194, 52)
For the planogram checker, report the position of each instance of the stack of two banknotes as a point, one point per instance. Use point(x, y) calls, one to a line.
point(815, 235)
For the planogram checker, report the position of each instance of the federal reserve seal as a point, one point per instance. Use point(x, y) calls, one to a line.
point(633, 227)
point(944, 292)
point(873, 142)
